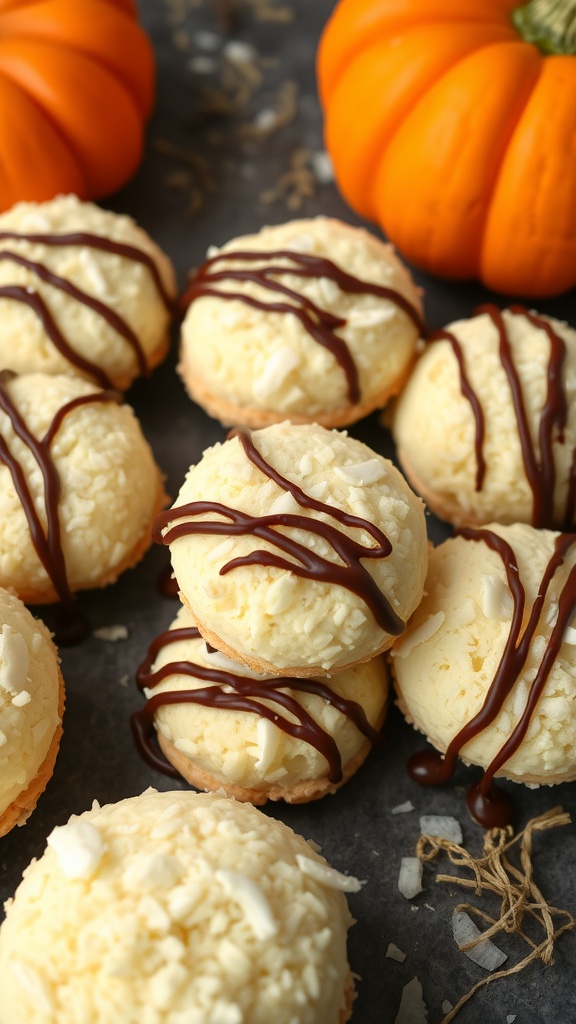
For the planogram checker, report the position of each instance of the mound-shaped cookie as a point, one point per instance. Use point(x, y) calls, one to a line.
point(31, 707)
point(298, 550)
point(79, 487)
point(83, 291)
point(173, 907)
point(259, 738)
point(486, 426)
point(487, 666)
point(312, 321)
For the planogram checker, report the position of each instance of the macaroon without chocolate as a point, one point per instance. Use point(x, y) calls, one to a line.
point(298, 550)
point(79, 487)
point(487, 667)
point(31, 707)
point(83, 291)
point(312, 321)
point(486, 426)
point(173, 907)
point(257, 737)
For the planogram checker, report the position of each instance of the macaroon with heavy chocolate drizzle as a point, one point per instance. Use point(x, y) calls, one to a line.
point(286, 580)
point(504, 448)
point(50, 445)
point(301, 302)
point(288, 738)
point(515, 701)
point(83, 283)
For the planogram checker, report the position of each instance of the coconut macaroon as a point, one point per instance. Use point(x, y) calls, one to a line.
point(486, 426)
point(83, 291)
point(258, 738)
point(31, 707)
point(79, 487)
point(487, 667)
point(312, 320)
point(172, 907)
point(298, 550)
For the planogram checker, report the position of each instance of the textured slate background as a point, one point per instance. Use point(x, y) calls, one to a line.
point(190, 156)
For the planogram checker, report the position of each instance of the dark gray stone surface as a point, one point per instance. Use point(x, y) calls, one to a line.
point(355, 827)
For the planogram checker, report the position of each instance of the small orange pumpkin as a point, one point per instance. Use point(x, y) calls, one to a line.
point(457, 134)
point(76, 87)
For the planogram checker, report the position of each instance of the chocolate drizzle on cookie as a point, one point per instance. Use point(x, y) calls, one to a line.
point(45, 531)
point(350, 573)
point(487, 803)
point(538, 460)
point(28, 296)
point(319, 323)
point(267, 698)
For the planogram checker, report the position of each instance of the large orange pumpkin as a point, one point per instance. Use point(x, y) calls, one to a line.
point(76, 87)
point(457, 135)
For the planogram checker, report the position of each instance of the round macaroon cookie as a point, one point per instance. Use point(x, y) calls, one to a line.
point(172, 907)
point(83, 291)
point(298, 550)
point(31, 707)
point(312, 321)
point(487, 667)
point(486, 426)
point(257, 737)
point(79, 487)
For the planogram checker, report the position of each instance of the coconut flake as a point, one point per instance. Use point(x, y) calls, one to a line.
point(497, 600)
point(485, 953)
point(328, 876)
point(446, 1006)
point(427, 629)
point(361, 473)
point(441, 827)
point(112, 633)
point(410, 877)
point(14, 660)
point(249, 896)
point(79, 848)
point(510, 1018)
point(393, 953)
point(412, 1007)
point(268, 739)
point(404, 808)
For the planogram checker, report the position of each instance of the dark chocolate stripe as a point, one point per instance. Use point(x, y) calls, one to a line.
point(245, 695)
point(320, 324)
point(303, 561)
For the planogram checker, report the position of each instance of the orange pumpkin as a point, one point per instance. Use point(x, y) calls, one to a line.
point(457, 135)
point(76, 87)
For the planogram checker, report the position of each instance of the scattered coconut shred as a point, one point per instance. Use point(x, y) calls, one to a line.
point(514, 885)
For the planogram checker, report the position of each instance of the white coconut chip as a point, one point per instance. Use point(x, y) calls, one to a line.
point(441, 827)
point(412, 1007)
point(404, 808)
point(410, 877)
point(446, 1006)
point(328, 876)
point(393, 953)
point(510, 1018)
point(112, 633)
point(485, 953)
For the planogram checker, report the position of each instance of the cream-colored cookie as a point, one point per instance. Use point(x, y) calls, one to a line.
point(312, 321)
point(312, 557)
point(78, 491)
point(98, 306)
point(474, 452)
point(237, 735)
point(460, 651)
point(177, 907)
point(31, 707)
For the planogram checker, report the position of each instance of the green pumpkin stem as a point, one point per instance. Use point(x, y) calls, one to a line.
point(549, 24)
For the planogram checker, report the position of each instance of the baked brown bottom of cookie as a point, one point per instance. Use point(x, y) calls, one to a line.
point(153, 359)
point(21, 808)
point(231, 415)
point(443, 506)
point(300, 793)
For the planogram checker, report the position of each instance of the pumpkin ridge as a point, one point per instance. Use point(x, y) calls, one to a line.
point(45, 116)
point(453, 199)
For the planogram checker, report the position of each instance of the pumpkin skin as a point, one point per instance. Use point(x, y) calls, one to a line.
point(76, 88)
point(457, 137)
